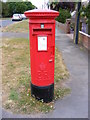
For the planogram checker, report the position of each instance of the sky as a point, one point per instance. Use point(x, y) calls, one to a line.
point(39, 3)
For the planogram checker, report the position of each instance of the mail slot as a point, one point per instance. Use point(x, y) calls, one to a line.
point(42, 52)
point(45, 30)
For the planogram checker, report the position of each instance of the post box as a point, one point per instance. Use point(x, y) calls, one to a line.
point(42, 52)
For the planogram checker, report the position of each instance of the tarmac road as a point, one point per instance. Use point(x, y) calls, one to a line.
point(4, 23)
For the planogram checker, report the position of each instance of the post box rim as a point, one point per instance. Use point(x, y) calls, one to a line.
point(41, 12)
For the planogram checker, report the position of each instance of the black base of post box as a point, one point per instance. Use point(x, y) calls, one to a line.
point(45, 93)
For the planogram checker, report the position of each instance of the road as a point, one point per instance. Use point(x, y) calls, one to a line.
point(4, 23)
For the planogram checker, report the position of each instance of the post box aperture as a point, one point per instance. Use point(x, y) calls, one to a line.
point(42, 52)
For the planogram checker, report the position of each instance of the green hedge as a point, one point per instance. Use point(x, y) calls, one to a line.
point(63, 15)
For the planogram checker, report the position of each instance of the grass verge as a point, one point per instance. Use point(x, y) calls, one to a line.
point(16, 78)
point(5, 18)
point(21, 26)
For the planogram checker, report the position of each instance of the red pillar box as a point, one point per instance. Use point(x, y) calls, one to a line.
point(42, 52)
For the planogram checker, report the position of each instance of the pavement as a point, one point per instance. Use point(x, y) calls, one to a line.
point(74, 105)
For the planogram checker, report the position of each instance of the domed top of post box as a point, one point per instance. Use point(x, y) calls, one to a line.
point(41, 13)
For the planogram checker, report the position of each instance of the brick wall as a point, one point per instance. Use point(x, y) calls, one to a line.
point(84, 39)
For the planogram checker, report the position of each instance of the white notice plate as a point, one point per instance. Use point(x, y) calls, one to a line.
point(42, 43)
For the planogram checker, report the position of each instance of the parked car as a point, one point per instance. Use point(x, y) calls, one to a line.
point(16, 17)
point(23, 16)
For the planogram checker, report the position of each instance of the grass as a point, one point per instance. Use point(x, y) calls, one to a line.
point(13, 95)
point(5, 18)
point(21, 26)
point(16, 78)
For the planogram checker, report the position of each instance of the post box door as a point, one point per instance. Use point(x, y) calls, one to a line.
point(43, 62)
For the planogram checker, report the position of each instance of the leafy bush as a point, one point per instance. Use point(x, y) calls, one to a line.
point(63, 15)
point(85, 12)
point(9, 8)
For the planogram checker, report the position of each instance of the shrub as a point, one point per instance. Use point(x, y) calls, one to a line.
point(63, 15)
point(10, 8)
